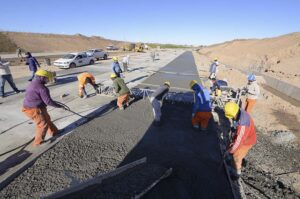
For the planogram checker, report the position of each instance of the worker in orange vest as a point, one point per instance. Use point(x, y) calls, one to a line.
point(244, 135)
point(84, 79)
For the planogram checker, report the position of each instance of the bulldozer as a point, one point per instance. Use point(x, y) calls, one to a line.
point(139, 47)
point(129, 47)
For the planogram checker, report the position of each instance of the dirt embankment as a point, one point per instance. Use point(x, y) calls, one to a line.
point(278, 57)
point(6, 44)
point(36, 42)
point(273, 168)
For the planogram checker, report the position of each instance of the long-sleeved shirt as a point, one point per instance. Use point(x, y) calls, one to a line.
point(253, 90)
point(33, 63)
point(116, 68)
point(82, 78)
point(120, 86)
point(213, 68)
point(202, 101)
point(245, 133)
point(160, 92)
point(4, 68)
point(38, 95)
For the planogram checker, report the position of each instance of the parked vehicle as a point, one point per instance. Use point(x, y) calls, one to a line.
point(73, 60)
point(97, 54)
point(111, 47)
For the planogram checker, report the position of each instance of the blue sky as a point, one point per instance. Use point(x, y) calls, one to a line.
point(170, 21)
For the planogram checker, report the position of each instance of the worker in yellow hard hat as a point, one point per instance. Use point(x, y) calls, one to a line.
point(156, 100)
point(116, 68)
point(214, 69)
point(37, 98)
point(84, 79)
point(202, 106)
point(244, 135)
point(121, 90)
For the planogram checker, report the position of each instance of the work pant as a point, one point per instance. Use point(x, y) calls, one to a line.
point(123, 99)
point(9, 79)
point(32, 76)
point(156, 107)
point(43, 123)
point(239, 155)
point(202, 119)
point(249, 105)
point(125, 66)
point(82, 91)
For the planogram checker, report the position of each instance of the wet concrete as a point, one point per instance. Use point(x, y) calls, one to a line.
point(116, 138)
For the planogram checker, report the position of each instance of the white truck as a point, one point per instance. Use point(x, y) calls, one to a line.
point(73, 60)
point(97, 54)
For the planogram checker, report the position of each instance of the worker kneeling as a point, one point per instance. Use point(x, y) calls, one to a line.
point(156, 100)
point(201, 107)
point(244, 135)
point(37, 98)
point(121, 90)
point(84, 79)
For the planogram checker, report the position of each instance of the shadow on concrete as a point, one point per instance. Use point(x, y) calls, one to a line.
point(194, 156)
point(137, 79)
point(10, 93)
point(69, 74)
point(16, 158)
point(134, 69)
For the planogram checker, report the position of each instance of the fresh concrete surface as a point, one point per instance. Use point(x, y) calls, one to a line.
point(15, 128)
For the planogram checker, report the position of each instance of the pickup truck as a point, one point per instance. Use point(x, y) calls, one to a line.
point(97, 54)
point(111, 47)
point(73, 60)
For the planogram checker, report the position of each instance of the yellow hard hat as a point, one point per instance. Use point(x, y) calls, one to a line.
point(115, 59)
point(192, 83)
point(231, 109)
point(113, 75)
point(167, 83)
point(216, 58)
point(43, 73)
point(218, 92)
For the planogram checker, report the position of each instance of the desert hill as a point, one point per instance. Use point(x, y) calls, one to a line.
point(278, 57)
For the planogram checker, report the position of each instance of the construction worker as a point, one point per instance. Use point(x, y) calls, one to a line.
point(84, 79)
point(5, 75)
point(116, 67)
point(32, 63)
point(156, 100)
point(217, 86)
point(213, 69)
point(19, 52)
point(202, 106)
point(252, 93)
point(125, 62)
point(37, 98)
point(121, 90)
point(244, 135)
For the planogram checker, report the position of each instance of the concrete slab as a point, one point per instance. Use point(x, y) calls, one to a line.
point(17, 131)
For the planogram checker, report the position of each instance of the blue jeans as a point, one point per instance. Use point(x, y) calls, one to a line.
point(33, 74)
point(9, 79)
